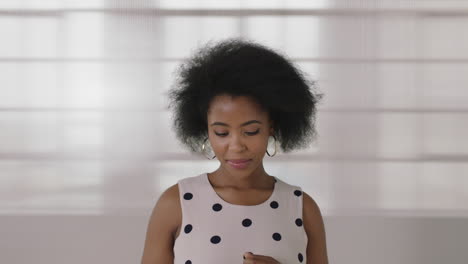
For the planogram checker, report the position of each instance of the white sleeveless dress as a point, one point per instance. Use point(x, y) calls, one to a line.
point(214, 231)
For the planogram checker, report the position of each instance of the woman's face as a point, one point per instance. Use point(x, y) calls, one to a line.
point(238, 131)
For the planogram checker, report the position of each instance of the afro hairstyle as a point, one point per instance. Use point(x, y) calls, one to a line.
point(240, 67)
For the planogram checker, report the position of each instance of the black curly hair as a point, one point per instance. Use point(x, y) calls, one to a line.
point(240, 67)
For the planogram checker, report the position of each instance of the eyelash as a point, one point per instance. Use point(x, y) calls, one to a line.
point(248, 133)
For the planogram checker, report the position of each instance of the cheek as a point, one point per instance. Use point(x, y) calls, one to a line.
point(259, 146)
point(218, 144)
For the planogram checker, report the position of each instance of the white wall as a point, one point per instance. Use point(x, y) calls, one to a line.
point(86, 146)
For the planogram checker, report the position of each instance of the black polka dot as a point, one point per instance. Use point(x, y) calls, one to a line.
point(297, 193)
point(300, 257)
point(188, 228)
point(274, 204)
point(247, 222)
point(299, 222)
point(188, 196)
point(277, 236)
point(217, 207)
point(215, 239)
point(188, 262)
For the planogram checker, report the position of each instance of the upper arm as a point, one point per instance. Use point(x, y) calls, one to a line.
point(315, 229)
point(164, 220)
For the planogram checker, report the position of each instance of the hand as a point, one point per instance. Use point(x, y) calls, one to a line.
point(250, 258)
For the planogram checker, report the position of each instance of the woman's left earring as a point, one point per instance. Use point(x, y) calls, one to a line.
point(204, 148)
point(274, 153)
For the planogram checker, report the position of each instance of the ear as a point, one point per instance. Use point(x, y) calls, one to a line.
point(272, 130)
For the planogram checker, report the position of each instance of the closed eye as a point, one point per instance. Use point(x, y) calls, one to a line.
point(221, 135)
point(252, 133)
point(248, 133)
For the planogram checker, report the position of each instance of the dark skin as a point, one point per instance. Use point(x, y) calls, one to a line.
point(238, 128)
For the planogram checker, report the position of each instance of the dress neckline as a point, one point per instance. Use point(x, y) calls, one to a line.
point(267, 201)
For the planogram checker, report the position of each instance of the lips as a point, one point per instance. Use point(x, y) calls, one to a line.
point(239, 163)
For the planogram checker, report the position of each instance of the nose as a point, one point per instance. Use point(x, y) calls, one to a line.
point(236, 144)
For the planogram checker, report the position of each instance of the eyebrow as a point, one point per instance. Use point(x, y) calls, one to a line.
point(243, 124)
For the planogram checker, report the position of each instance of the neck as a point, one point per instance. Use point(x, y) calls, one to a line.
point(257, 179)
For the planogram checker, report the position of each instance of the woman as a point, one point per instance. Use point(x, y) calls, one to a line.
point(231, 100)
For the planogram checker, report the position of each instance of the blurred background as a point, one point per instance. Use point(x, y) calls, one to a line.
point(86, 145)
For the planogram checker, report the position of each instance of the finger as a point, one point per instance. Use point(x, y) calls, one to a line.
point(249, 257)
point(256, 261)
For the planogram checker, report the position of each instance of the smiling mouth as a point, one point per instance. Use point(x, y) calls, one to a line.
point(238, 161)
point(239, 164)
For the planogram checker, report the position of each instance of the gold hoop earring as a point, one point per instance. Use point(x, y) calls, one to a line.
point(203, 147)
point(274, 138)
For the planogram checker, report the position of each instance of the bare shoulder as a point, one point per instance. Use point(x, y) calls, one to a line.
point(315, 229)
point(170, 201)
point(163, 224)
point(313, 220)
point(311, 208)
point(168, 208)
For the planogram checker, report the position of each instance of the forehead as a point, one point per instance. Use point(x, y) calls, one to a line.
point(227, 107)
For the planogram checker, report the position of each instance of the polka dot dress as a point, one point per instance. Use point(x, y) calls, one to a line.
point(215, 231)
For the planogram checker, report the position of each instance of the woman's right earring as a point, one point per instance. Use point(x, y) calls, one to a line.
point(204, 147)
